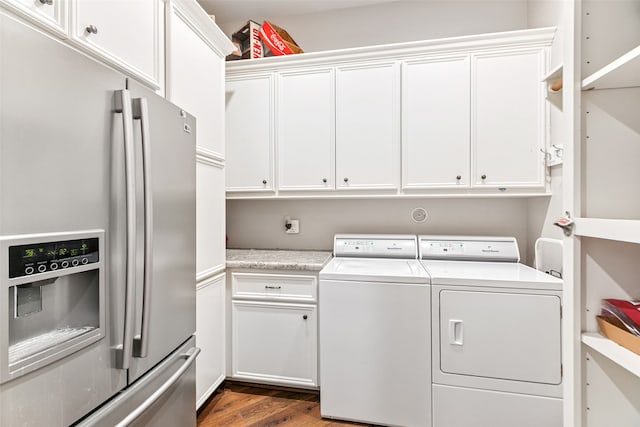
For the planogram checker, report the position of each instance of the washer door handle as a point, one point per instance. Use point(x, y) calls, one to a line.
point(456, 336)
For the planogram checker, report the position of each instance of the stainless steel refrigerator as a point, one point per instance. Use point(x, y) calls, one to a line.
point(97, 243)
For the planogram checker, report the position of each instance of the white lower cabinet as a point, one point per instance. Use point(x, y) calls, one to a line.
point(274, 328)
point(210, 337)
point(275, 342)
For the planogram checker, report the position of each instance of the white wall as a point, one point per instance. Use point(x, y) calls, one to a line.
point(395, 22)
point(543, 212)
point(260, 223)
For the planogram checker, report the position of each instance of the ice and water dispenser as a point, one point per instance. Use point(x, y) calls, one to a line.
point(54, 298)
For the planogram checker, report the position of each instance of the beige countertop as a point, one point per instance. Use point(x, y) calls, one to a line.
point(275, 259)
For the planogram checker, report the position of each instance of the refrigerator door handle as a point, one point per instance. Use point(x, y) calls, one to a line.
point(141, 112)
point(123, 105)
point(191, 357)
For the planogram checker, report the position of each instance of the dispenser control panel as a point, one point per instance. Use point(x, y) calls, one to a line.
point(28, 259)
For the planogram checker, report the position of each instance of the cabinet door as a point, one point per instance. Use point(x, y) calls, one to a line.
point(127, 34)
point(199, 89)
point(305, 129)
point(274, 342)
point(435, 123)
point(368, 126)
point(508, 118)
point(52, 15)
point(249, 136)
point(210, 217)
point(210, 337)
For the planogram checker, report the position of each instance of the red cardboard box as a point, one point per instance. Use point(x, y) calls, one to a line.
point(278, 40)
point(247, 39)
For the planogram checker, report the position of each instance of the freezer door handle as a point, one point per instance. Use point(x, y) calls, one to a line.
point(141, 112)
point(456, 336)
point(123, 105)
point(190, 357)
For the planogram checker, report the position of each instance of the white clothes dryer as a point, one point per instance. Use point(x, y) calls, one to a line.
point(496, 328)
point(375, 332)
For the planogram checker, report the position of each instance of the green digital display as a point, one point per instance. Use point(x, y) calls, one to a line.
point(46, 256)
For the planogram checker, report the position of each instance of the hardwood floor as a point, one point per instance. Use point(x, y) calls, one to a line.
point(248, 406)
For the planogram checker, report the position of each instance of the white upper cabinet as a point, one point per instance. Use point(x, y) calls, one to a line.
point(50, 14)
point(195, 72)
point(435, 122)
point(451, 117)
point(126, 34)
point(305, 129)
point(368, 126)
point(508, 118)
point(249, 135)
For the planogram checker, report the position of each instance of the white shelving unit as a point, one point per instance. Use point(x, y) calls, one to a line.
point(621, 73)
point(602, 182)
point(623, 230)
point(554, 96)
point(614, 352)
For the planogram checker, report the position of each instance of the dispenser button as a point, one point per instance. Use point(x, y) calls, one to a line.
point(85, 260)
point(29, 270)
point(75, 262)
point(53, 266)
point(65, 264)
point(42, 268)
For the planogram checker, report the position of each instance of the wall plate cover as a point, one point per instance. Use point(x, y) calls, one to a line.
point(419, 215)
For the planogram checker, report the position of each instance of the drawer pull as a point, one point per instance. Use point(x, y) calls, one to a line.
point(272, 287)
point(305, 317)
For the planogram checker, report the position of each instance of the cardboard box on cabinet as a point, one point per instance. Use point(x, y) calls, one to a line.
point(247, 42)
point(277, 41)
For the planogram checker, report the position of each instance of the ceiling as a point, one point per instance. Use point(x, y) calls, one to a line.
point(240, 10)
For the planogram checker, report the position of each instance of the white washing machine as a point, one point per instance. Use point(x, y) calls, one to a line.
point(375, 332)
point(496, 328)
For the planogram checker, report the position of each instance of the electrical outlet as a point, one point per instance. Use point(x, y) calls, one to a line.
point(292, 226)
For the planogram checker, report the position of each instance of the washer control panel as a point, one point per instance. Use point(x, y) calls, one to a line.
point(374, 246)
point(28, 259)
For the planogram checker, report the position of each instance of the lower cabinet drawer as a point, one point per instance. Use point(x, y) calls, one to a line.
point(277, 287)
point(275, 343)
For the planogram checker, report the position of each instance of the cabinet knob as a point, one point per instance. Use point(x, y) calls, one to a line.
point(324, 180)
point(458, 177)
point(346, 180)
point(47, 2)
point(264, 181)
point(305, 317)
point(92, 29)
point(484, 177)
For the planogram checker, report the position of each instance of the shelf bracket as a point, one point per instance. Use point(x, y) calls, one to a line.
point(566, 223)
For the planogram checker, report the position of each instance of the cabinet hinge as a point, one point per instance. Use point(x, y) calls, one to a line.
point(561, 370)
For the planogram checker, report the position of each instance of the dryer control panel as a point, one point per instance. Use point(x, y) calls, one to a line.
point(465, 248)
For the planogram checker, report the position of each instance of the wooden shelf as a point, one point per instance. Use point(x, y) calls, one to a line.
point(612, 351)
point(554, 96)
point(622, 72)
point(623, 230)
